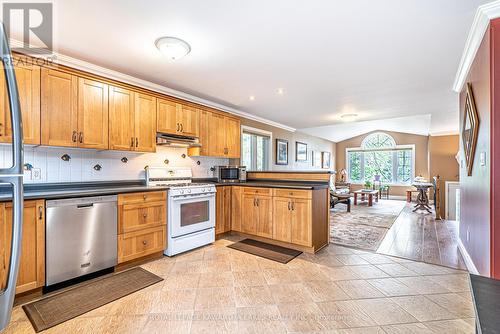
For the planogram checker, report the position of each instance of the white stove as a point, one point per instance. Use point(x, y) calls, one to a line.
point(191, 208)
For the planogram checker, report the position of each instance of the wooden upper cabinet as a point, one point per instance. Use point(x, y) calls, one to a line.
point(28, 84)
point(32, 265)
point(92, 114)
point(188, 119)
point(59, 112)
point(233, 135)
point(216, 135)
point(145, 123)
point(121, 119)
point(166, 116)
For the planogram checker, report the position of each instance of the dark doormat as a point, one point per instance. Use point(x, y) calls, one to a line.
point(265, 250)
point(61, 307)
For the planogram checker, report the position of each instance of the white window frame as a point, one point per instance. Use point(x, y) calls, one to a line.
point(397, 147)
point(257, 131)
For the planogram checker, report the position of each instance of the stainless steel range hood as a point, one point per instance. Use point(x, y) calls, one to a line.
point(165, 139)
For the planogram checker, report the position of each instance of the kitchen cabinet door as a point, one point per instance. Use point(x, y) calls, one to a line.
point(121, 119)
point(32, 265)
point(92, 114)
point(265, 216)
point(223, 210)
point(249, 214)
point(28, 84)
point(301, 222)
point(166, 113)
point(145, 123)
point(188, 118)
point(282, 219)
point(236, 209)
point(59, 108)
point(216, 135)
point(203, 132)
point(233, 138)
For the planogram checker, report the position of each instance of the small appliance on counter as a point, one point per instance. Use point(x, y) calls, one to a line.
point(191, 208)
point(231, 174)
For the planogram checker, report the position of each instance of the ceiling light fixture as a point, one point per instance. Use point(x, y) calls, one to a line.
point(349, 116)
point(173, 47)
point(280, 91)
point(251, 98)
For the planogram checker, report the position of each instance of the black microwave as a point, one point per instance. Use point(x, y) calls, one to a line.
point(231, 173)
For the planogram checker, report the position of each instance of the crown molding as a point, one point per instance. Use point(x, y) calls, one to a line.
point(122, 77)
point(484, 15)
point(444, 133)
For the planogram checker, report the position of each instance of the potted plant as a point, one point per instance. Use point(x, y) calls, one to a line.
point(368, 185)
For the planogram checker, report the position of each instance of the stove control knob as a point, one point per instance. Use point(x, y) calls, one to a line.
point(208, 189)
point(203, 189)
point(181, 191)
point(189, 191)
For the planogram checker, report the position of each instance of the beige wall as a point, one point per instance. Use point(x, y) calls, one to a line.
point(442, 162)
point(313, 144)
point(421, 156)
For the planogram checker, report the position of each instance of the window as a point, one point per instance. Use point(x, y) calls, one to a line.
point(380, 156)
point(255, 149)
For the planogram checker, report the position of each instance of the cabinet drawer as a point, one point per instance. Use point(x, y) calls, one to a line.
point(255, 190)
point(137, 216)
point(137, 244)
point(293, 193)
point(144, 197)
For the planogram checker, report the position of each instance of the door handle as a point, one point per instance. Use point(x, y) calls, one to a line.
point(178, 127)
point(132, 142)
point(293, 206)
point(81, 137)
point(40, 212)
point(136, 142)
point(73, 137)
point(254, 202)
point(182, 127)
point(289, 206)
point(257, 202)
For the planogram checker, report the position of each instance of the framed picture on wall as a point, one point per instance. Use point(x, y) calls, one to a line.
point(300, 151)
point(316, 159)
point(281, 152)
point(325, 160)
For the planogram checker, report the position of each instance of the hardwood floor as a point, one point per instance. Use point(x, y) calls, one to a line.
point(420, 237)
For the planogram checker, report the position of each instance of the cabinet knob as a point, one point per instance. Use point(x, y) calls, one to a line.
point(144, 196)
point(145, 215)
point(40, 212)
point(73, 137)
point(144, 242)
point(81, 137)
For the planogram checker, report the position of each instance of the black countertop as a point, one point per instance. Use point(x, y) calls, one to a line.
point(486, 295)
point(270, 184)
point(78, 189)
point(82, 189)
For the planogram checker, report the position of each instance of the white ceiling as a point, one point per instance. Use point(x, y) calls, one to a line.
point(381, 59)
point(419, 125)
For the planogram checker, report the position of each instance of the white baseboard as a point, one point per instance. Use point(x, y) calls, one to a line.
point(467, 259)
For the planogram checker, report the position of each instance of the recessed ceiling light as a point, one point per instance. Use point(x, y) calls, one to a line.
point(251, 98)
point(349, 116)
point(173, 47)
point(280, 91)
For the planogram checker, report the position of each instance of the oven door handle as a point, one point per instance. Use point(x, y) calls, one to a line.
point(191, 196)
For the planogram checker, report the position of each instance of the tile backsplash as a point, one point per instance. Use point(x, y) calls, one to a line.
point(80, 167)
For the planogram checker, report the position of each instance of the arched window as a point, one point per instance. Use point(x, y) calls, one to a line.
point(380, 160)
point(378, 140)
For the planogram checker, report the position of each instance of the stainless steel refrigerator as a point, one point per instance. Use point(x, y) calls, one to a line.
point(12, 177)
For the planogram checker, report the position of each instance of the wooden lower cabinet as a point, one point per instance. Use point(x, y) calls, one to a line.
point(236, 198)
point(256, 212)
point(142, 224)
point(292, 220)
point(32, 266)
point(223, 210)
point(282, 229)
point(141, 243)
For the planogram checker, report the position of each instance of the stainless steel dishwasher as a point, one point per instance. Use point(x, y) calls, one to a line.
point(81, 237)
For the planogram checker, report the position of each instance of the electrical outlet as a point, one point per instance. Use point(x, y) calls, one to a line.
point(482, 158)
point(36, 174)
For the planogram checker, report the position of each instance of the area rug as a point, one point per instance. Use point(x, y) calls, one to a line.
point(58, 308)
point(359, 229)
point(265, 250)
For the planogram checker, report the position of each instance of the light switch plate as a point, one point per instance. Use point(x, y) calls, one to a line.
point(482, 158)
